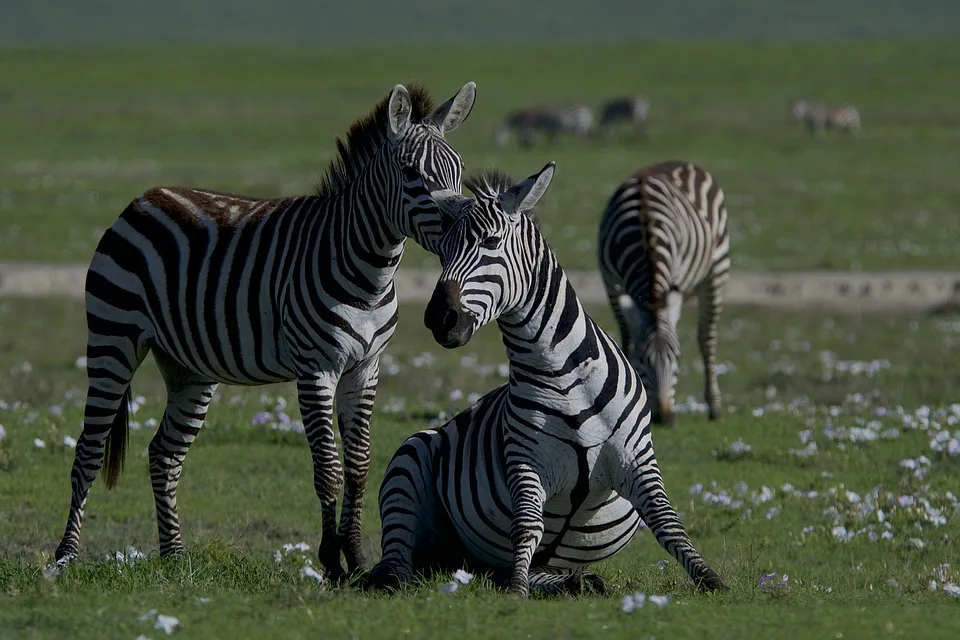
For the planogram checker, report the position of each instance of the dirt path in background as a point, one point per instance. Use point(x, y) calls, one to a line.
point(832, 291)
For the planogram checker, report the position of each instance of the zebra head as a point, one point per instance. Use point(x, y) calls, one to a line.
point(431, 169)
point(487, 256)
point(656, 350)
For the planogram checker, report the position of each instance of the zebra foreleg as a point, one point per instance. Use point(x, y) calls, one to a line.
point(187, 403)
point(644, 489)
point(356, 393)
point(527, 497)
point(315, 395)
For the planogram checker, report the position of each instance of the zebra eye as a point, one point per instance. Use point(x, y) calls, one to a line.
point(490, 242)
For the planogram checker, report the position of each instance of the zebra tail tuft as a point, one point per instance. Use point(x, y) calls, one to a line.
point(116, 446)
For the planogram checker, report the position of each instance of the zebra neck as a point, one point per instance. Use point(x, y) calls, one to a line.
point(548, 332)
point(356, 234)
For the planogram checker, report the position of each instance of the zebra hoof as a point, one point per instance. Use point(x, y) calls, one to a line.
point(715, 414)
point(520, 590)
point(711, 581)
point(66, 553)
point(585, 582)
point(383, 578)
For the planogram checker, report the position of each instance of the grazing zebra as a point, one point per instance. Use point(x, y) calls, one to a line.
point(550, 121)
point(818, 117)
point(663, 237)
point(554, 469)
point(630, 109)
point(249, 291)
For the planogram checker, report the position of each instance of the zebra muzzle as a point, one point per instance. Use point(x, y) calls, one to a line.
point(445, 317)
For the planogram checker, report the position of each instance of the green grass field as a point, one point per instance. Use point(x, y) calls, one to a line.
point(86, 130)
point(83, 131)
point(872, 391)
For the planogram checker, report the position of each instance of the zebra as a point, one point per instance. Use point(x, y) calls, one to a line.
point(552, 470)
point(235, 289)
point(576, 119)
point(632, 109)
point(819, 117)
point(663, 237)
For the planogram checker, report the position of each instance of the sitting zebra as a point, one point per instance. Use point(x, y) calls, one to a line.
point(550, 121)
point(227, 288)
point(663, 237)
point(551, 471)
point(626, 109)
point(818, 117)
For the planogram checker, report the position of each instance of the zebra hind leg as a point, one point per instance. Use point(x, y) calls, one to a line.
point(188, 398)
point(114, 352)
point(709, 308)
point(549, 581)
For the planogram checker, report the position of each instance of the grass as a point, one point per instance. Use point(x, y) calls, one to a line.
point(247, 490)
point(86, 130)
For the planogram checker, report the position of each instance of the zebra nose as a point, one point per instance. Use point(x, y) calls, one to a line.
point(450, 320)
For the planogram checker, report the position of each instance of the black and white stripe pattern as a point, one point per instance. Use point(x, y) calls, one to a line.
point(551, 471)
point(549, 121)
point(663, 237)
point(818, 117)
point(633, 110)
point(249, 291)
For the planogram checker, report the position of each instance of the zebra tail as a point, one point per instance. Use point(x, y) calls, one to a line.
point(116, 447)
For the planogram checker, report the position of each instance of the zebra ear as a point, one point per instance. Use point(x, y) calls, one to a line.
point(454, 111)
point(525, 195)
point(399, 110)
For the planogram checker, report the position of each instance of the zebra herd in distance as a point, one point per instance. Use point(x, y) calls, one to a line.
point(550, 472)
point(551, 122)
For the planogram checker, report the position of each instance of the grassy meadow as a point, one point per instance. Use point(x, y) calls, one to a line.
point(846, 488)
point(837, 462)
point(86, 130)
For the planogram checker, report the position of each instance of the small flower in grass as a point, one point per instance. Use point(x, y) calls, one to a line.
point(308, 571)
point(770, 582)
point(917, 543)
point(167, 624)
point(633, 601)
point(261, 417)
point(81, 362)
point(149, 615)
point(277, 556)
point(51, 572)
point(951, 590)
point(38, 443)
point(463, 577)
point(203, 601)
point(449, 587)
point(660, 601)
point(3, 433)
point(842, 534)
point(69, 442)
point(662, 564)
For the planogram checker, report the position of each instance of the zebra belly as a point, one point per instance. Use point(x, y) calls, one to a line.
point(599, 528)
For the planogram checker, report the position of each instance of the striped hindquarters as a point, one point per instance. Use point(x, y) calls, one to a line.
point(665, 229)
point(634, 109)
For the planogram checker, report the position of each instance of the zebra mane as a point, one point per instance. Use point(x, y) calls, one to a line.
point(364, 138)
point(488, 184)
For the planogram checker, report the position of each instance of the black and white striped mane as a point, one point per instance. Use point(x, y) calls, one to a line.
point(364, 138)
point(490, 183)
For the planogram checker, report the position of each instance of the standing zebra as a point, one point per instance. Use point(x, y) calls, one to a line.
point(554, 469)
point(631, 109)
point(663, 237)
point(576, 119)
point(249, 291)
point(818, 117)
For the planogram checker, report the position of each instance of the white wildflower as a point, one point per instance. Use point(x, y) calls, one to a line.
point(463, 577)
point(309, 572)
point(449, 587)
point(69, 442)
point(38, 443)
point(167, 624)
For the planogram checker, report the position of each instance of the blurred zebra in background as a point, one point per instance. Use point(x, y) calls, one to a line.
point(819, 117)
point(633, 110)
point(663, 237)
point(549, 121)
